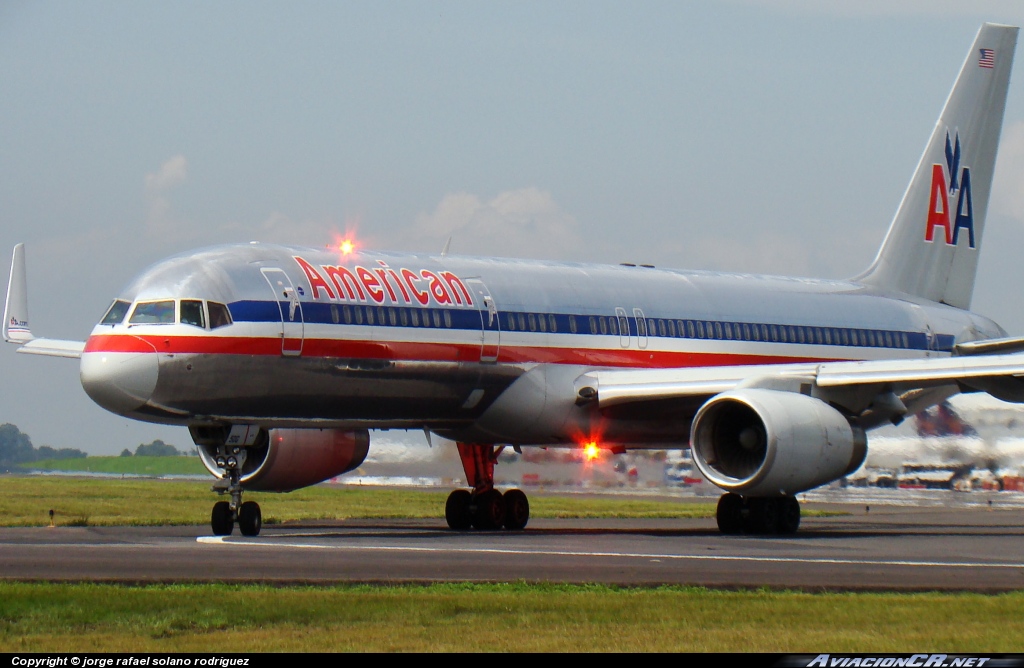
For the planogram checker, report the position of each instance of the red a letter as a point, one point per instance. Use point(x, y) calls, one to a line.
point(938, 198)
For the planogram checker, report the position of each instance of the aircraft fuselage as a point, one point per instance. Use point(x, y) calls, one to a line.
point(389, 340)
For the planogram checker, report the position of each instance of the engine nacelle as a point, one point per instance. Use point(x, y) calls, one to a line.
point(282, 460)
point(758, 442)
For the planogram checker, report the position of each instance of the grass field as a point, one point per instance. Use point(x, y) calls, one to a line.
point(26, 501)
point(512, 617)
point(147, 466)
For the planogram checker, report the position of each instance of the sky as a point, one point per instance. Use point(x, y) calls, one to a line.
point(749, 135)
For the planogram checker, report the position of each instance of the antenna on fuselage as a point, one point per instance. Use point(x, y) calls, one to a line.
point(447, 245)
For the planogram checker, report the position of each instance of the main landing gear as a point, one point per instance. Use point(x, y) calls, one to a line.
point(758, 515)
point(484, 507)
point(227, 513)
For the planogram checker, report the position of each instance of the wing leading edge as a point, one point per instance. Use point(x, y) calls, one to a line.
point(613, 387)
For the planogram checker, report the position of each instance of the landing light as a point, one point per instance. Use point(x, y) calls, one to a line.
point(591, 450)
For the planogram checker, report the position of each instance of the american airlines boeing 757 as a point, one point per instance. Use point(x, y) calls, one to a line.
point(279, 360)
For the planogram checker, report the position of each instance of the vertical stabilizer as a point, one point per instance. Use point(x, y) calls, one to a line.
point(16, 309)
point(932, 246)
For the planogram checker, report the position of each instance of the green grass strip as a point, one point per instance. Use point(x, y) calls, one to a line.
point(513, 617)
point(26, 501)
point(152, 466)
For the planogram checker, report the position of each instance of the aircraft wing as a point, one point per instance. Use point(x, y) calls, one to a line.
point(53, 348)
point(16, 329)
point(615, 387)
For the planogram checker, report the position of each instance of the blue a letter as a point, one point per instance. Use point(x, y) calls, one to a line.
point(964, 219)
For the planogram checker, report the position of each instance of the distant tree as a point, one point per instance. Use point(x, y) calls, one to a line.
point(156, 449)
point(15, 446)
point(46, 452)
point(126, 453)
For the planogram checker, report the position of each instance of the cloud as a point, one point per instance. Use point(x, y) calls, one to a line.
point(171, 174)
point(516, 223)
point(1008, 182)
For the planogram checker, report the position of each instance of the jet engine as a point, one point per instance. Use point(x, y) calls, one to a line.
point(282, 460)
point(758, 442)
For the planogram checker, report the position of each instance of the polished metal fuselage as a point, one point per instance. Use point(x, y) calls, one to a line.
point(475, 349)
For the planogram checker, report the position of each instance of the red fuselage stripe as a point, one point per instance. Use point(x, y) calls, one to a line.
point(420, 351)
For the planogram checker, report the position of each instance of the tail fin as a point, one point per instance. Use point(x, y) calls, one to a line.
point(932, 247)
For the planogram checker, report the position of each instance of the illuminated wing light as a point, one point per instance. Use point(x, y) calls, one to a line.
point(591, 450)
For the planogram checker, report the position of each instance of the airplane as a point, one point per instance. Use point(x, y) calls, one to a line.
point(281, 359)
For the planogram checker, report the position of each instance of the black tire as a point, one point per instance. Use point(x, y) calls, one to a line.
point(456, 510)
point(488, 510)
point(220, 520)
point(250, 519)
point(763, 517)
point(789, 515)
point(517, 509)
point(730, 514)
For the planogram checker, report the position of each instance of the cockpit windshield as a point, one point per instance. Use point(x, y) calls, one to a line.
point(153, 313)
point(219, 315)
point(115, 314)
point(192, 313)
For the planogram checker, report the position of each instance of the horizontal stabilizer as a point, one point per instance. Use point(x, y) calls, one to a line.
point(1013, 344)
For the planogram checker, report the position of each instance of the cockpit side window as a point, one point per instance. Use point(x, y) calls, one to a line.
point(191, 313)
point(219, 315)
point(153, 313)
point(116, 313)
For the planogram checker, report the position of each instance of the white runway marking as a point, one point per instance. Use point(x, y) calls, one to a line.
point(221, 540)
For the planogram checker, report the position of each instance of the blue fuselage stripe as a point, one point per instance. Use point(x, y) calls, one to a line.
point(603, 324)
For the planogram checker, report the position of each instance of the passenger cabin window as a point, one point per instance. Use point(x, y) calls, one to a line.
point(220, 316)
point(153, 313)
point(190, 312)
point(116, 313)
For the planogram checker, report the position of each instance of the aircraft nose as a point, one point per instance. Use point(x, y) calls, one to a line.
point(121, 382)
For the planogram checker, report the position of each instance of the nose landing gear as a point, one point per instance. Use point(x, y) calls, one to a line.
point(226, 513)
point(484, 508)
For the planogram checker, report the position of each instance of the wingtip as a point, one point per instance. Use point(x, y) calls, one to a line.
point(15, 328)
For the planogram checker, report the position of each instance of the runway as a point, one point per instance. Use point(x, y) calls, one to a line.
point(888, 548)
